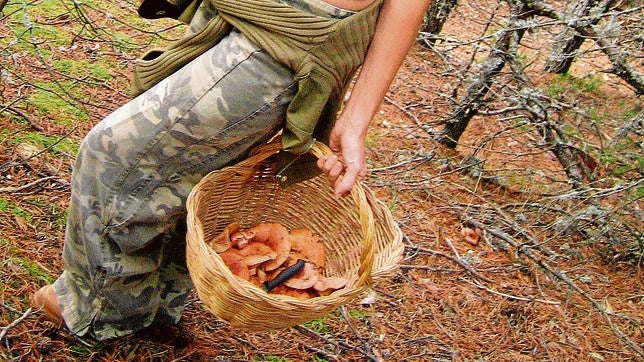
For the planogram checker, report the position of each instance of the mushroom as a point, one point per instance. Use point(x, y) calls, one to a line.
point(329, 283)
point(241, 238)
point(256, 248)
point(309, 245)
point(276, 237)
point(252, 261)
point(470, 236)
point(291, 292)
point(305, 279)
point(236, 263)
point(222, 241)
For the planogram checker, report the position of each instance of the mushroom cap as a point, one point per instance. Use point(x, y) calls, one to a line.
point(276, 236)
point(254, 260)
point(291, 292)
point(305, 279)
point(241, 238)
point(470, 236)
point(236, 263)
point(256, 248)
point(222, 241)
point(309, 245)
point(329, 283)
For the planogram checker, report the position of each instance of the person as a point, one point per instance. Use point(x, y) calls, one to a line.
point(124, 250)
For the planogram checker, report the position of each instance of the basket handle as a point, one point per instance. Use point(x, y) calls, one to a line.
point(358, 195)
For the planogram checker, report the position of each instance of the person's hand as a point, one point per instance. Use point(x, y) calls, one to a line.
point(396, 31)
point(347, 164)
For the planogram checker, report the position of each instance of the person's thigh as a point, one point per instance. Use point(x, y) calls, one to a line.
point(136, 168)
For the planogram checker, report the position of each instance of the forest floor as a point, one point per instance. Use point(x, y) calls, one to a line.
point(452, 299)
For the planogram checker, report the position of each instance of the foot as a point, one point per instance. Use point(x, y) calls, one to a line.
point(46, 301)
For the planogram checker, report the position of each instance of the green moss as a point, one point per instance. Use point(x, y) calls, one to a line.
point(563, 84)
point(79, 68)
point(24, 265)
point(28, 31)
point(14, 209)
point(271, 358)
point(49, 102)
point(54, 144)
point(358, 314)
point(320, 325)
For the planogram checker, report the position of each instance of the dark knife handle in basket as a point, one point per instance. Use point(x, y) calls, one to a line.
point(283, 276)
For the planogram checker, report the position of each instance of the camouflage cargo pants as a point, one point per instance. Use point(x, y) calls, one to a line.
point(124, 248)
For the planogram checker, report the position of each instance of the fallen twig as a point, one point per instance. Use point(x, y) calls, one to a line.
point(26, 186)
point(468, 268)
point(327, 356)
point(14, 323)
point(19, 113)
point(304, 329)
point(367, 348)
point(509, 296)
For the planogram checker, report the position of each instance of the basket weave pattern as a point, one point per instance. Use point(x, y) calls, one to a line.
point(361, 238)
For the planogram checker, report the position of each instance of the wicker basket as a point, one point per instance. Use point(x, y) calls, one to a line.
point(361, 238)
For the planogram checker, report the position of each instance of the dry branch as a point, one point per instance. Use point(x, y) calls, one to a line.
point(365, 345)
point(617, 57)
point(340, 344)
point(569, 41)
point(480, 85)
point(14, 323)
point(12, 189)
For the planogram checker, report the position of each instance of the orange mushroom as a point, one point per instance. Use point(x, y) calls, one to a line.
point(291, 292)
point(236, 263)
point(252, 261)
point(329, 283)
point(256, 248)
point(309, 245)
point(222, 242)
point(241, 238)
point(276, 237)
point(470, 236)
point(305, 279)
point(279, 261)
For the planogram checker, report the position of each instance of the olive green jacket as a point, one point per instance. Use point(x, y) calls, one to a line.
point(323, 52)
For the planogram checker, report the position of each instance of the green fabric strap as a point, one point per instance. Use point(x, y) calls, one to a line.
point(157, 64)
point(323, 52)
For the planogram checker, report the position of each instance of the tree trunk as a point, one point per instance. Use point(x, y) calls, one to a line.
point(569, 40)
point(436, 16)
point(617, 56)
point(480, 84)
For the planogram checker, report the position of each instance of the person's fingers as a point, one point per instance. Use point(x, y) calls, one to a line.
point(321, 161)
point(326, 163)
point(332, 166)
point(335, 172)
point(352, 172)
point(342, 175)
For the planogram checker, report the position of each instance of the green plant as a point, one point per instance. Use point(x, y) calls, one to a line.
point(24, 264)
point(4, 204)
point(271, 358)
point(51, 104)
point(358, 314)
point(319, 325)
point(56, 145)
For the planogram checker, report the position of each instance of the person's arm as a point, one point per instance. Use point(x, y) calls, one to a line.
point(396, 31)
